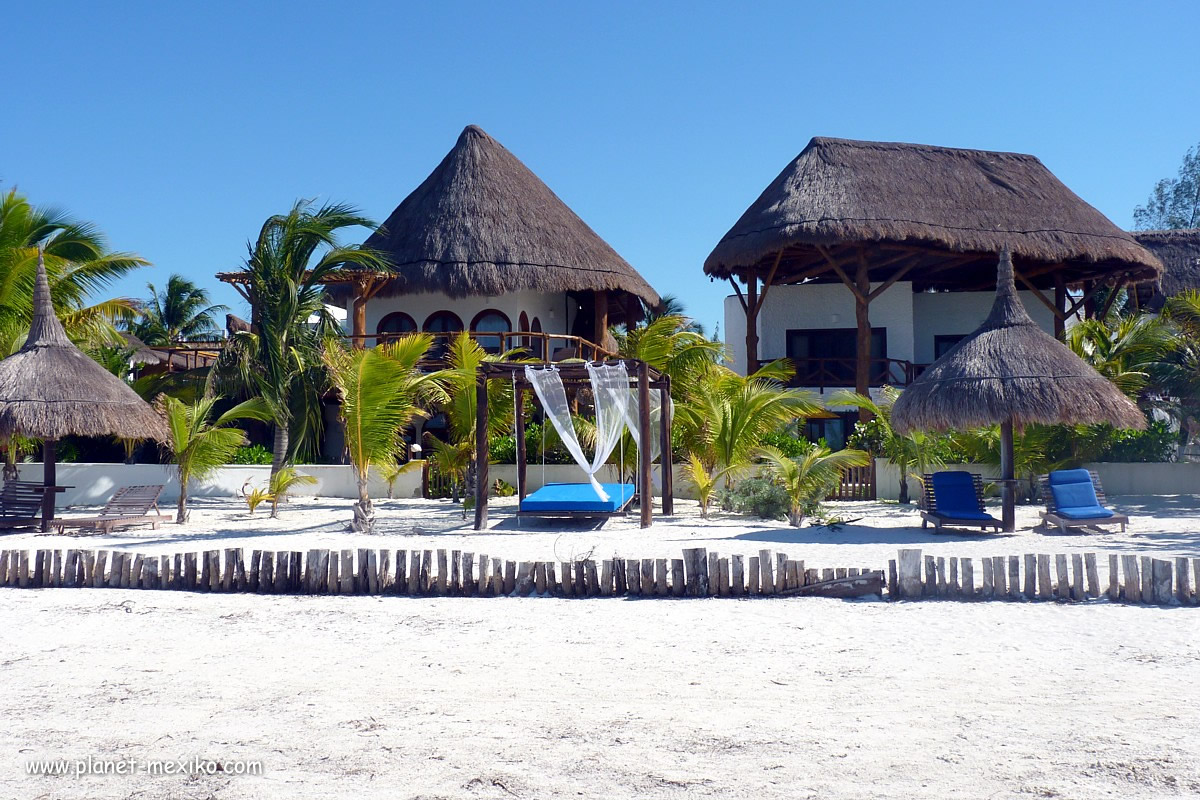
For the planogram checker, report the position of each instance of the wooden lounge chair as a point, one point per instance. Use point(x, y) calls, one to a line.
point(1075, 499)
point(129, 505)
point(956, 499)
point(20, 504)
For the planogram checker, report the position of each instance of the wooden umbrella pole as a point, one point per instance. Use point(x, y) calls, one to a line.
point(49, 481)
point(1007, 477)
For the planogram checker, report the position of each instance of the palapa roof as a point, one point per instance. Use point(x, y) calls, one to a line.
point(1009, 368)
point(940, 214)
point(1179, 251)
point(50, 388)
point(483, 224)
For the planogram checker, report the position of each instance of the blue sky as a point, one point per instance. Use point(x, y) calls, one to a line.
point(178, 128)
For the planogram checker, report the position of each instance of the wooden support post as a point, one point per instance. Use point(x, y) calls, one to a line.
point(1064, 579)
point(909, 574)
point(893, 585)
point(780, 572)
point(1008, 483)
point(1114, 579)
point(481, 453)
point(633, 581)
point(930, 588)
point(1077, 593)
point(49, 476)
point(737, 575)
point(1161, 576)
point(358, 315)
point(648, 577)
point(968, 578)
point(862, 319)
point(645, 484)
point(1030, 576)
point(753, 588)
point(600, 329)
point(678, 583)
point(765, 573)
point(1132, 586)
point(1183, 590)
point(988, 586)
point(1060, 306)
point(942, 583)
point(666, 457)
point(1147, 579)
point(750, 305)
point(481, 583)
point(1014, 577)
point(519, 435)
point(661, 586)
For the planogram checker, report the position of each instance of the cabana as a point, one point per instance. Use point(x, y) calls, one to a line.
point(1010, 371)
point(50, 389)
point(575, 374)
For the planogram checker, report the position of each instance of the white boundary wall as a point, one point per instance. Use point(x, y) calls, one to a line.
point(93, 484)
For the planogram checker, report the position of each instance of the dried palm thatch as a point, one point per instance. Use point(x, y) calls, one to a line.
point(141, 353)
point(939, 213)
point(50, 389)
point(1010, 371)
point(1179, 251)
point(483, 224)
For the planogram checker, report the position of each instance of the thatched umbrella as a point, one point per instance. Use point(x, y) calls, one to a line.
point(1012, 372)
point(50, 389)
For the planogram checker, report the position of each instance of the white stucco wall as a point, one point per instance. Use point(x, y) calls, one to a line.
point(554, 309)
point(957, 313)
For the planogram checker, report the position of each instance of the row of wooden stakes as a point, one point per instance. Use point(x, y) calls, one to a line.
point(433, 573)
point(1076, 578)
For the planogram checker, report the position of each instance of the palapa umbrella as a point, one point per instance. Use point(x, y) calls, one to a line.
point(1012, 372)
point(50, 389)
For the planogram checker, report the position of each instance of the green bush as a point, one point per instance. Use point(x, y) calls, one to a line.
point(252, 454)
point(503, 449)
point(787, 444)
point(758, 496)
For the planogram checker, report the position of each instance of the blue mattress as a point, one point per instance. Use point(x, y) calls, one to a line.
point(579, 497)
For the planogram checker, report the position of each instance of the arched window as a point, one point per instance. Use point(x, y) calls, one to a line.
point(397, 323)
point(444, 323)
point(491, 321)
point(538, 348)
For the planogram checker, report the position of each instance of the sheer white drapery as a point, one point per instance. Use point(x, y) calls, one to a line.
point(610, 413)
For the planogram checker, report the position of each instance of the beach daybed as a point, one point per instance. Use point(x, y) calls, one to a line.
point(20, 504)
point(955, 498)
point(1075, 499)
point(577, 500)
point(129, 505)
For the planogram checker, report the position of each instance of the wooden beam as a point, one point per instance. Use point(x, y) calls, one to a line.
point(519, 434)
point(1083, 301)
point(1060, 303)
point(359, 315)
point(862, 319)
point(645, 487)
point(1037, 293)
point(852, 285)
point(667, 459)
point(751, 324)
point(600, 318)
point(762, 297)
point(1108, 304)
point(881, 288)
point(738, 291)
point(481, 453)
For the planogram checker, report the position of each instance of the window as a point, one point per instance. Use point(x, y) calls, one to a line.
point(834, 430)
point(538, 346)
point(942, 343)
point(826, 356)
point(491, 321)
point(397, 323)
point(442, 322)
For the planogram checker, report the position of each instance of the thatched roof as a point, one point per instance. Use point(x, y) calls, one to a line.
point(1179, 251)
point(1009, 368)
point(50, 389)
point(483, 224)
point(140, 352)
point(942, 213)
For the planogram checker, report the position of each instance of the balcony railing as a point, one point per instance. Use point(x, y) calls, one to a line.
point(839, 373)
point(536, 344)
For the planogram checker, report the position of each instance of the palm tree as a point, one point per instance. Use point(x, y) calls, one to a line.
point(1127, 350)
point(914, 454)
point(78, 264)
point(703, 480)
point(200, 444)
point(179, 313)
point(1180, 370)
point(668, 345)
point(809, 478)
point(671, 306)
point(280, 358)
point(380, 390)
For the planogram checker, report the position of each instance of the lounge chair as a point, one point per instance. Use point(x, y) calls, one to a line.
point(129, 505)
point(1075, 499)
point(20, 504)
point(577, 500)
point(955, 498)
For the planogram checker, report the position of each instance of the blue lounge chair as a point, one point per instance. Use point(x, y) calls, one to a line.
point(955, 498)
point(577, 500)
point(1075, 499)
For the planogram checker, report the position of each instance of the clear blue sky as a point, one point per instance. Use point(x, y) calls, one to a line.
point(178, 128)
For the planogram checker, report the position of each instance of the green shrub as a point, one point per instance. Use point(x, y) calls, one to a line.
point(758, 496)
point(503, 449)
point(252, 454)
point(786, 443)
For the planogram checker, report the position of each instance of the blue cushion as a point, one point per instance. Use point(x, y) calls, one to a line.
point(954, 495)
point(578, 497)
point(1074, 495)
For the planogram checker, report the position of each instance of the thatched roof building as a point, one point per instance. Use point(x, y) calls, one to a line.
point(866, 213)
point(1179, 251)
point(50, 389)
point(483, 223)
point(1010, 369)
point(945, 203)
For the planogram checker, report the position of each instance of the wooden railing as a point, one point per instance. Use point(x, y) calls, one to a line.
point(858, 483)
point(839, 373)
point(536, 344)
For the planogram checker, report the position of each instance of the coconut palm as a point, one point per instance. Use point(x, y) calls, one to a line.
point(200, 444)
point(704, 481)
point(181, 312)
point(668, 345)
point(913, 454)
point(280, 357)
point(78, 264)
point(381, 390)
point(1180, 371)
point(281, 484)
point(809, 478)
point(1128, 350)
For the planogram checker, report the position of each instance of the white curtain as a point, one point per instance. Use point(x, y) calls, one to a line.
point(548, 386)
point(631, 419)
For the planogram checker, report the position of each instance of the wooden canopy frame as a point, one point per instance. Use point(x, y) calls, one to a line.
point(574, 373)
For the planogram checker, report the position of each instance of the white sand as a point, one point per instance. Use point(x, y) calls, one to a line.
point(609, 698)
point(358, 697)
point(1161, 526)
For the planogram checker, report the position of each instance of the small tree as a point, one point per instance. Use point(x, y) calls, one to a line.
point(703, 480)
point(380, 390)
point(200, 444)
point(1175, 202)
point(809, 478)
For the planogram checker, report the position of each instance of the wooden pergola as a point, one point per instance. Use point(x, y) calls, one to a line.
point(574, 374)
